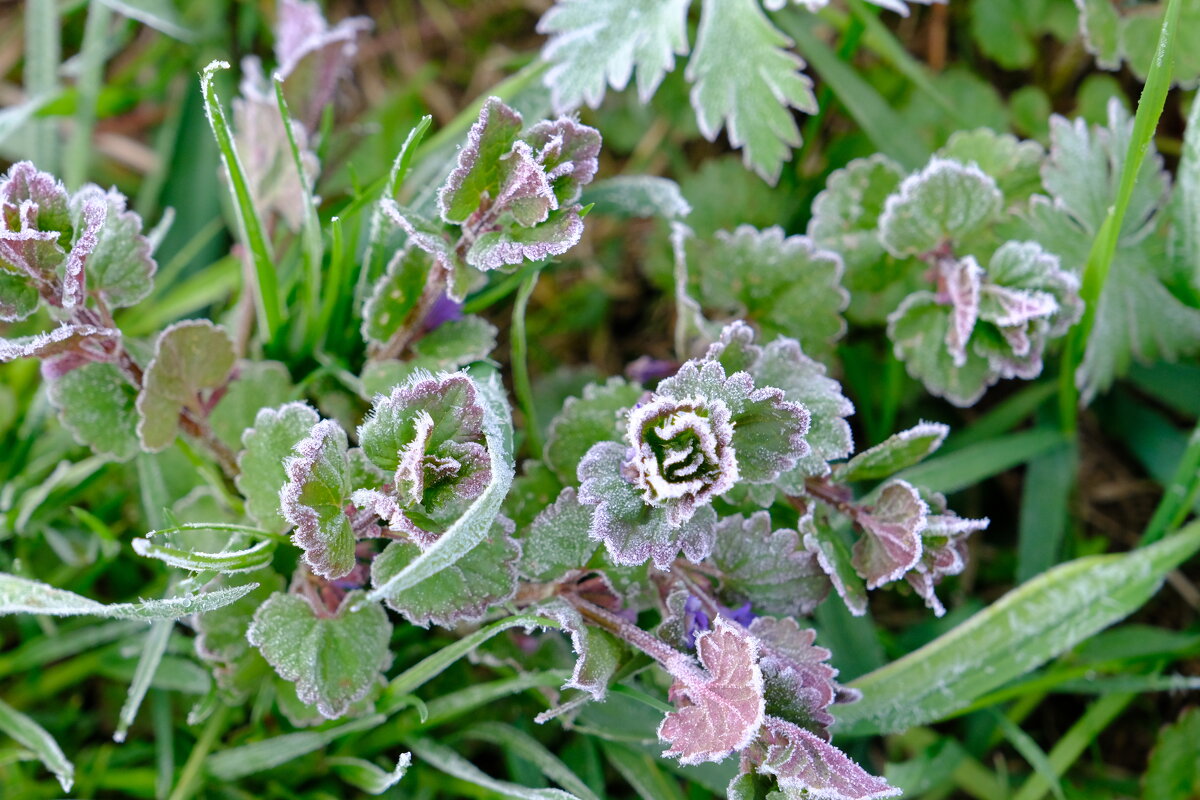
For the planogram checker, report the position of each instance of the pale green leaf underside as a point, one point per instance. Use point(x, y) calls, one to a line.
point(23, 596)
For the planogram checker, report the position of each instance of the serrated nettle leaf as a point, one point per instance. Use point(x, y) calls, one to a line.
point(768, 431)
point(897, 452)
point(314, 56)
point(317, 493)
point(1026, 284)
point(892, 521)
point(638, 196)
point(786, 284)
point(458, 342)
point(767, 568)
point(429, 431)
point(798, 682)
point(746, 81)
point(395, 294)
point(24, 596)
point(557, 541)
point(834, 557)
point(845, 219)
point(632, 531)
point(266, 446)
point(944, 553)
point(598, 653)
point(189, 358)
point(256, 385)
point(97, 404)
point(944, 202)
point(584, 421)
point(334, 658)
point(462, 592)
point(718, 713)
point(221, 636)
point(1014, 164)
point(960, 282)
point(805, 765)
point(120, 268)
point(79, 343)
point(599, 43)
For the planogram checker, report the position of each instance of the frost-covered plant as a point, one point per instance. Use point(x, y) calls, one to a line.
point(597, 44)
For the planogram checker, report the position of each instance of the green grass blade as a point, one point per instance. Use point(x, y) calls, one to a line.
point(448, 761)
point(970, 465)
point(91, 76)
point(641, 772)
point(238, 762)
point(1027, 627)
point(43, 52)
point(1045, 497)
point(34, 737)
point(152, 654)
point(1024, 744)
point(250, 227)
point(521, 744)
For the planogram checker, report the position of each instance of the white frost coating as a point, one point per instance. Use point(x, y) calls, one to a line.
point(963, 281)
point(61, 339)
point(471, 528)
point(24, 596)
point(325, 538)
point(944, 200)
point(93, 216)
point(816, 5)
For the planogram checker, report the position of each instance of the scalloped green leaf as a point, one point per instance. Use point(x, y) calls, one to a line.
point(834, 557)
point(315, 498)
point(1014, 164)
point(189, 357)
point(334, 658)
point(945, 202)
point(457, 343)
point(396, 293)
point(221, 636)
point(18, 297)
point(256, 385)
point(557, 541)
point(584, 421)
point(120, 269)
point(98, 405)
point(267, 445)
point(768, 568)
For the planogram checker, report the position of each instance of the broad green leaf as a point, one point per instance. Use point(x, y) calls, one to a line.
point(462, 592)
point(765, 567)
point(1042, 618)
point(599, 43)
point(1173, 772)
point(637, 196)
point(24, 596)
point(557, 541)
point(785, 284)
point(18, 297)
point(120, 269)
point(256, 385)
point(747, 81)
point(1012, 163)
point(897, 452)
point(315, 496)
point(586, 420)
point(457, 343)
point(834, 558)
point(189, 357)
point(945, 202)
point(97, 404)
point(395, 294)
point(261, 472)
point(1010, 31)
point(919, 330)
point(29, 734)
point(240, 762)
point(516, 244)
point(334, 657)
point(892, 525)
point(475, 523)
point(480, 169)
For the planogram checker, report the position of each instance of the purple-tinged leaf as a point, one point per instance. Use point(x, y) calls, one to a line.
point(584, 421)
point(807, 766)
point(335, 659)
point(834, 558)
point(91, 342)
point(633, 531)
point(313, 56)
point(120, 270)
point(266, 446)
point(377, 504)
point(431, 238)
point(26, 250)
point(962, 280)
point(514, 245)
point(799, 683)
point(897, 452)
point(396, 294)
point(769, 569)
point(93, 217)
point(768, 431)
point(315, 497)
point(569, 152)
point(42, 195)
point(718, 711)
point(919, 330)
point(462, 592)
point(891, 542)
point(557, 541)
point(478, 177)
point(945, 553)
point(97, 404)
point(189, 358)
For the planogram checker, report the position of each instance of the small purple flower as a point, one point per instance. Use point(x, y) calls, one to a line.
point(696, 619)
point(443, 311)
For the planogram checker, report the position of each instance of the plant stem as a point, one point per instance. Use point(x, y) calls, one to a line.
point(520, 363)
